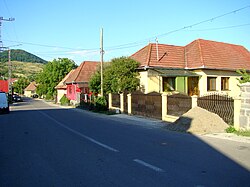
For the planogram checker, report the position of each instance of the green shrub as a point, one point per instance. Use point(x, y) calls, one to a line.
point(49, 97)
point(230, 129)
point(86, 105)
point(101, 104)
point(64, 100)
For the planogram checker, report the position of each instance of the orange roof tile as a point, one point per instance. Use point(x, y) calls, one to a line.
point(31, 87)
point(217, 55)
point(168, 56)
point(83, 72)
point(198, 54)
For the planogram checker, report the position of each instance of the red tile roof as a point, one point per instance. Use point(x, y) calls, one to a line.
point(198, 54)
point(83, 72)
point(168, 55)
point(31, 87)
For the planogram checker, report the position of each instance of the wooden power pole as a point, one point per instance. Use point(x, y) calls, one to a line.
point(101, 52)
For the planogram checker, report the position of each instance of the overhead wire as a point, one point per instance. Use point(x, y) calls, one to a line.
point(143, 41)
point(14, 28)
point(185, 27)
point(221, 28)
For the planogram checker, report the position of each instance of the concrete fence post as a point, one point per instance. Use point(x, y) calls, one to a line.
point(110, 100)
point(121, 102)
point(129, 104)
point(194, 101)
point(237, 107)
point(244, 119)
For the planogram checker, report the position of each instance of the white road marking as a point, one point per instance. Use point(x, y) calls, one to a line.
point(80, 134)
point(148, 165)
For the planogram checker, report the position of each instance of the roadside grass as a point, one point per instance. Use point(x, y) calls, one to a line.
point(231, 129)
point(108, 112)
point(243, 133)
point(93, 109)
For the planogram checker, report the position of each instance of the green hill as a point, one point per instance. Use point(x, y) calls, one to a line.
point(21, 56)
point(21, 69)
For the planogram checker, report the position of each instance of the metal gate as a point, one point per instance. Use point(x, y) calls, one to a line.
point(222, 105)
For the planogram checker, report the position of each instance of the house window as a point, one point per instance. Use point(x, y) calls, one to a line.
point(224, 83)
point(211, 83)
point(168, 84)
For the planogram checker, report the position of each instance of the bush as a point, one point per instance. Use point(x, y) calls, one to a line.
point(49, 97)
point(230, 129)
point(64, 100)
point(86, 105)
point(101, 104)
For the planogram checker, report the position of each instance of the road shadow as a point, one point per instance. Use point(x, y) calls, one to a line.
point(186, 159)
point(183, 124)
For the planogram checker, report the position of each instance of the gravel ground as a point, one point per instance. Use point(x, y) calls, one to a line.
point(199, 121)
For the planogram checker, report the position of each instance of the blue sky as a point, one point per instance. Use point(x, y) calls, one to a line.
point(57, 29)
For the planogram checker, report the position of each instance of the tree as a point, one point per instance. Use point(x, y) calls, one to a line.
point(95, 82)
point(118, 75)
point(245, 77)
point(20, 85)
point(53, 72)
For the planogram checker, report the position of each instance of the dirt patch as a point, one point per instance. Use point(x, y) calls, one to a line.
point(198, 121)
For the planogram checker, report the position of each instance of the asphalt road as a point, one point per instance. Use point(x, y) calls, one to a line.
point(44, 145)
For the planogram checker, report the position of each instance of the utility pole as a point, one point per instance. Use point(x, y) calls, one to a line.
point(9, 60)
point(101, 52)
point(10, 72)
point(3, 19)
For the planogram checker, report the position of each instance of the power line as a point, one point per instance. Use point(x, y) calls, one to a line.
point(207, 20)
point(221, 28)
point(3, 19)
point(183, 28)
point(143, 41)
point(14, 28)
point(44, 45)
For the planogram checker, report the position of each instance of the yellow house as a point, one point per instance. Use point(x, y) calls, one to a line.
point(30, 90)
point(199, 68)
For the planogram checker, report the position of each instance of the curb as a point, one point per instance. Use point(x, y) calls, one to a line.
point(229, 136)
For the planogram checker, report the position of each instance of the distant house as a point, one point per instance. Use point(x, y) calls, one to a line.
point(78, 81)
point(62, 87)
point(30, 90)
point(201, 67)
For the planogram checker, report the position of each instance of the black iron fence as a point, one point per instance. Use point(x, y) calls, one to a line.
point(222, 105)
